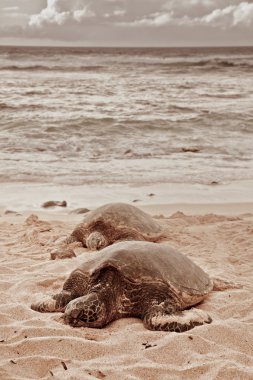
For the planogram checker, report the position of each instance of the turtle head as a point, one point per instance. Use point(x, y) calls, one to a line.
point(96, 241)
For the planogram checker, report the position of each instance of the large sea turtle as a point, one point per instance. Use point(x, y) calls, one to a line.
point(140, 279)
point(108, 224)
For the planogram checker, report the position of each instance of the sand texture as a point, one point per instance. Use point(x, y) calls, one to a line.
point(41, 346)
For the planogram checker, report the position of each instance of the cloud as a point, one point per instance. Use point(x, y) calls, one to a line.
point(10, 9)
point(178, 13)
point(59, 12)
point(119, 12)
point(116, 21)
point(144, 13)
point(233, 15)
point(154, 19)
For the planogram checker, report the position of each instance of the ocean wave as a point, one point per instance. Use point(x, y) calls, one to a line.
point(209, 64)
point(225, 96)
point(177, 108)
point(50, 68)
point(205, 64)
point(5, 106)
point(26, 107)
point(32, 93)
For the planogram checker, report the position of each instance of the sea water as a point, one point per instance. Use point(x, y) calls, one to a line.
point(135, 116)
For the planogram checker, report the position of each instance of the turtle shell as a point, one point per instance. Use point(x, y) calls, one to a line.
point(145, 262)
point(124, 215)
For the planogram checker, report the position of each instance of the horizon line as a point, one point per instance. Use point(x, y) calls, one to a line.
point(128, 47)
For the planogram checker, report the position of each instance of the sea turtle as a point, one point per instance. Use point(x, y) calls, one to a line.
point(108, 224)
point(140, 279)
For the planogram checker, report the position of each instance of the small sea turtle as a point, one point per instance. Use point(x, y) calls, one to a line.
point(150, 281)
point(108, 224)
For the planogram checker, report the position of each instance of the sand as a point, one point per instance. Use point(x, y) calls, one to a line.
point(40, 346)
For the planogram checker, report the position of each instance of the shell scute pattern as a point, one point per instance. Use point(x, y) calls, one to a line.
point(109, 224)
point(150, 281)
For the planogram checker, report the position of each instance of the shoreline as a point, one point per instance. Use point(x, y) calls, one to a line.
point(213, 198)
point(244, 209)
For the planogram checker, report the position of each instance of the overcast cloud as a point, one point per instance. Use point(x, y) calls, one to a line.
point(127, 22)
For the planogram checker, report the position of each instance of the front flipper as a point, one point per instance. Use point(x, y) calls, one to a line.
point(159, 318)
point(55, 304)
point(87, 311)
point(65, 251)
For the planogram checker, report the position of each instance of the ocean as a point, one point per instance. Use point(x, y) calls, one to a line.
point(135, 116)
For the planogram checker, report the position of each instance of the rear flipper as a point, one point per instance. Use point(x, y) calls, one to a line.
point(57, 303)
point(178, 321)
point(219, 284)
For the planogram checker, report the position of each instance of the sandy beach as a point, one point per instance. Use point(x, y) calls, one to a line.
point(166, 129)
point(219, 238)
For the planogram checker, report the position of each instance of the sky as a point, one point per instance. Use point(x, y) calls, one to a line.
point(126, 22)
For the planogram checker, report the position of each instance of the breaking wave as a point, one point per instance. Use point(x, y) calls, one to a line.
point(49, 68)
point(208, 64)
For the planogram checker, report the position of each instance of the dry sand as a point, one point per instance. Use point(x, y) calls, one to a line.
point(40, 346)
